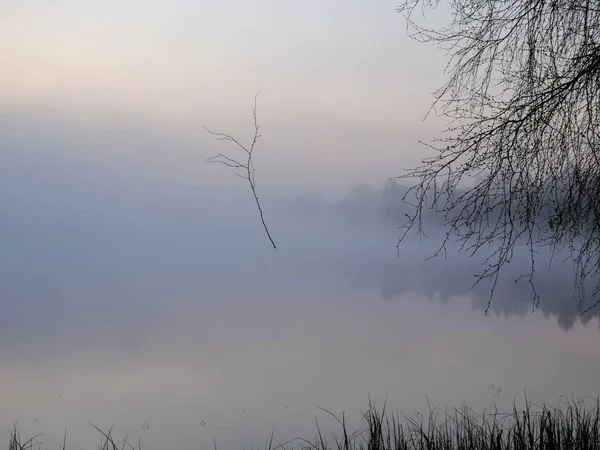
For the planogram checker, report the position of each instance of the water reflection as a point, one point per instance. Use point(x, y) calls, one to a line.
point(157, 306)
point(449, 274)
point(448, 278)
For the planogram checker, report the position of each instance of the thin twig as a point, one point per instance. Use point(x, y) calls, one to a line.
point(247, 168)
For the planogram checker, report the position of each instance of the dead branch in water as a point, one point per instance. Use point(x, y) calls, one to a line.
point(245, 169)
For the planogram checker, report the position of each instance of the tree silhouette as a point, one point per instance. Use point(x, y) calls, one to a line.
point(520, 159)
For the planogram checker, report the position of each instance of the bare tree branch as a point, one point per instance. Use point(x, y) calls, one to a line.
point(520, 160)
point(246, 167)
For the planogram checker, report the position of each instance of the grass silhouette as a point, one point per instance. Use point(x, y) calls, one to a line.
point(572, 425)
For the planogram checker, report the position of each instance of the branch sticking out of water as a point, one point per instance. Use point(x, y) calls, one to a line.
point(244, 168)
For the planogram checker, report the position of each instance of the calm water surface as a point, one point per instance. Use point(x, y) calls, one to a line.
point(158, 307)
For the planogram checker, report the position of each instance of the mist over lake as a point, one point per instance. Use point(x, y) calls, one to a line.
point(138, 288)
point(154, 302)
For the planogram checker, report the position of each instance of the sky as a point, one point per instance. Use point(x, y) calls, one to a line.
point(343, 59)
point(136, 282)
point(341, 90)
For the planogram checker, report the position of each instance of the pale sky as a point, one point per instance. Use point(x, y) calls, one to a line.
point(347, 59)
point(344, 89)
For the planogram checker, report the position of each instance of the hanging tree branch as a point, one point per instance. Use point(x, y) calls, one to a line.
point(245, 168)
point(520, 161)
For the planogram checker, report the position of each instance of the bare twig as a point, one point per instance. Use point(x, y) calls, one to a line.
point(246, 168)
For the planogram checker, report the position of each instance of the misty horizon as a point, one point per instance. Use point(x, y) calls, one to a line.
point(137, 285)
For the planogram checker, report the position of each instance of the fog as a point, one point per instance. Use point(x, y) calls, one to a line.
point(138, 287)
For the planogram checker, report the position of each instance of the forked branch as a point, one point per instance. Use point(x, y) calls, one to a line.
point(244, 167)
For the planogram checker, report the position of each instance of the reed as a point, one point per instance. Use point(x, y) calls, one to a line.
point(573, 425)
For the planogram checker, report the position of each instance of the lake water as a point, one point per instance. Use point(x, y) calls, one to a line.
point(163, 311)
